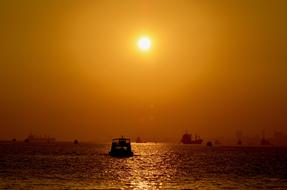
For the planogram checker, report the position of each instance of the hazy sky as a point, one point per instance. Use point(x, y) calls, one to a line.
point(71, 69)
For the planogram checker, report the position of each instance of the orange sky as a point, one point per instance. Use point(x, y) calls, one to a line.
point(71, 69)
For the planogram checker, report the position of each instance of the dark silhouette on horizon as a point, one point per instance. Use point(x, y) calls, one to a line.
point(239, 142)
point(264, 141)
point(187, 139)
point(209, 144)
point(39, 139)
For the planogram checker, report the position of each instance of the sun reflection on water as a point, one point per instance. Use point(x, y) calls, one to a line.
point(148, 172)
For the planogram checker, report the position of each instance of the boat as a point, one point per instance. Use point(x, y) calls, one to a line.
point(121, 147)
point(239, 142)
point(76, 141)
point(209, 144)
point(39, 139)
point(264, 141)
point(187, 139)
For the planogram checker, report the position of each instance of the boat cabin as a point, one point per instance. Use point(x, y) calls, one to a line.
point(121, 147)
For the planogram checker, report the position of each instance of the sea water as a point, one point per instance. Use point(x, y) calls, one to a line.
point(154, 166)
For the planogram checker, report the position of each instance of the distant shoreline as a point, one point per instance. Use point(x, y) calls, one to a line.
point(134, 143)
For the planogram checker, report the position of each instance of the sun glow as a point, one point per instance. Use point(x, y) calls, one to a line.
point(144, 43)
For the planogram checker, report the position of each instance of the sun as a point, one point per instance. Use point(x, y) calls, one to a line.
point(144, 43)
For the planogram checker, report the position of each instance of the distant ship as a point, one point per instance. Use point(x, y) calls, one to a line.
point(209, 144)
point(187, 139)
point(39, 139)
point(264, 141)
point(239, 142)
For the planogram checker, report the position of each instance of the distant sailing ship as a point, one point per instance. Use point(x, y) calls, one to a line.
point(39, 139)
point(187, 139)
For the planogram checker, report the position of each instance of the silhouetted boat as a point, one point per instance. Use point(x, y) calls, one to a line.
point(76, 141)
point(209, 143)
point(239, 142)
point(187, 139)
point(264, 141)
point(121, 147)
point(39, 139)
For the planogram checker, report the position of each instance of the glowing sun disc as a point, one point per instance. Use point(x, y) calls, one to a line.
point(144, 43)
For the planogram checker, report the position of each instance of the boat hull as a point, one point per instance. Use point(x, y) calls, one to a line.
point(121, 154)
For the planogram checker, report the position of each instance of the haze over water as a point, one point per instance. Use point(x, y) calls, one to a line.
point(73, 69)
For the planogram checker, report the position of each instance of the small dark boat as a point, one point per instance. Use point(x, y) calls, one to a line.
point(264, 141)
point(121, 147)
point(209, 144)
point(239, 142)
point(76, 141)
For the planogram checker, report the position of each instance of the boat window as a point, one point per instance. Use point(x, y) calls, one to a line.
point(121, 148)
